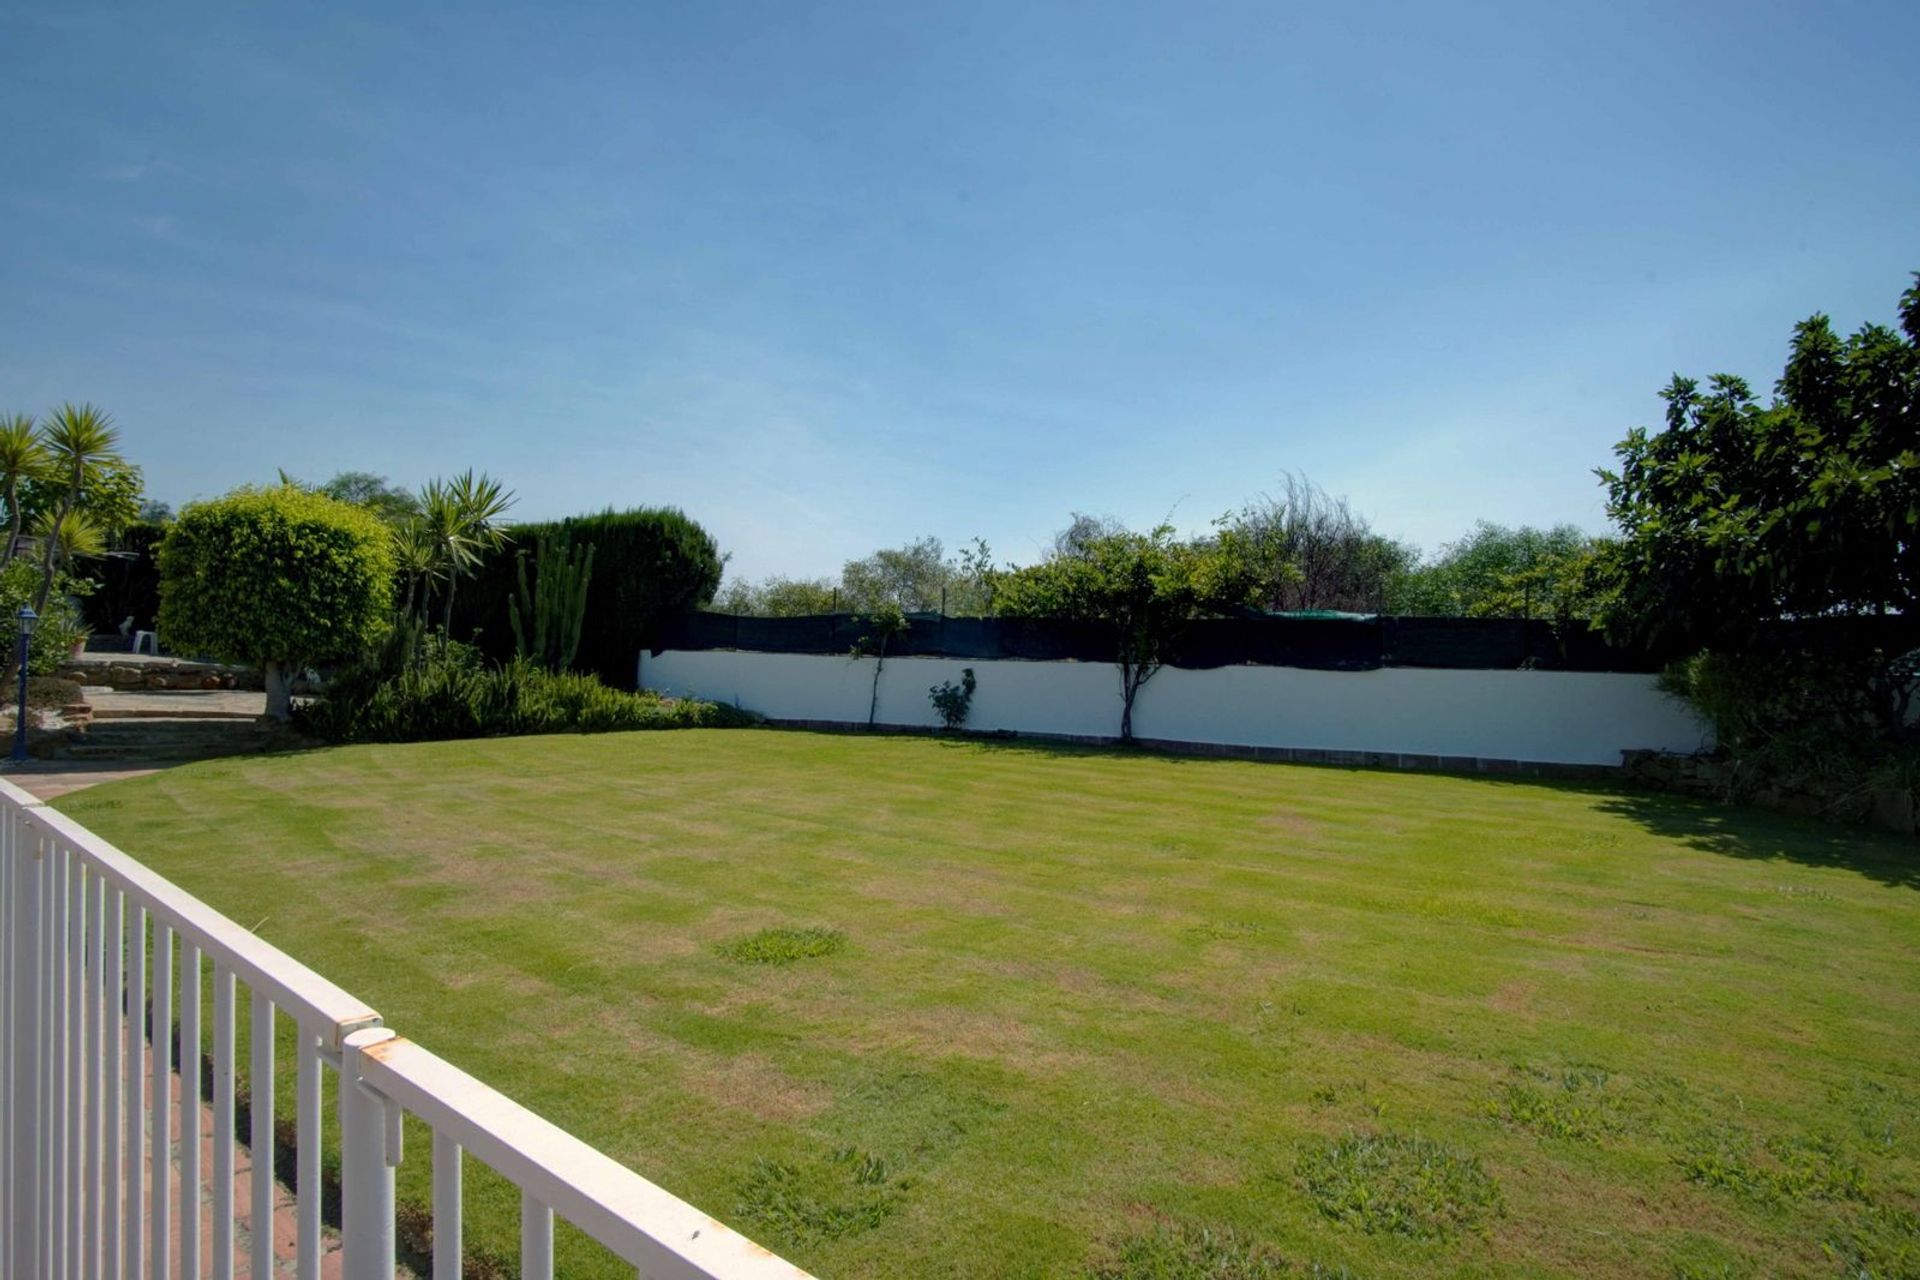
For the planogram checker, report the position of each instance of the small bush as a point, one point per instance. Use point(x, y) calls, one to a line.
point(783, 946)
point(59, 627)
point(951, 701)
point(451, 694)
point(1387, 1184)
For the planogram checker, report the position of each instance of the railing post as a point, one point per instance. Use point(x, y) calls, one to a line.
point(25, 1044)
point(366, 1178)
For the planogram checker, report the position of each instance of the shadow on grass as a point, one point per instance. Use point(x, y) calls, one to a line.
point(1738, 831)
point(1727, 829)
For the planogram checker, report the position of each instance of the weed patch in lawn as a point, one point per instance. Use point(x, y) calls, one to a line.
point(783, 946)
point(849, 1192)
point(1574, 1104)
point(1880, 1244)
point(1773, 1171)
point(1343, 1093)
point(1390, 1184)
point(1881, 1113)
point(1192, 1253)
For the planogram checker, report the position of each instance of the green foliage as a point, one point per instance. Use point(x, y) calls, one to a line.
point(919, 578)
point(1778, 1169)
point(650, 564)
point(449, 691)
point(275, 575)
point(953, 701)
point(882, 625)
point(1390, 1184)
point(1739, 514)
point(1574, 1104)
point(1827, 722)
point(458, 526)
point(916, 578)
point(390, 502)
point(112, 495)
point(778, 597)
point(546, 618)
point(60, 626)
point(1145, 586)
point(783, 946)
point(1758, 537)
point(1882, 1243)
point(1192, 1253)
point(1308, 550)
point(1501, 572)
point(848, 1193)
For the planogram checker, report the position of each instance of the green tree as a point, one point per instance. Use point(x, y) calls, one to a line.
point(920, 578)
point(1762, 539)
point(882, 625)
point(21, 460)
point(777, 597)
point(390, 502)
point(1311, 551)
point(77, 439)
point(1740, 513)
point(1145, 587)
point(277, 577)
point(1501, 572)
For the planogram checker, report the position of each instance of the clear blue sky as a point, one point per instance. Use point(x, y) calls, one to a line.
point(833, 276)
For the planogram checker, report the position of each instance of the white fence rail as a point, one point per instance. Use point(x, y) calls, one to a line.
point(95, 949)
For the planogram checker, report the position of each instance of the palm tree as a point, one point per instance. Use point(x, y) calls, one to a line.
point(415, 560)
point(76, 438)
point(21, 458)
point(458, 519)
point(69, 537)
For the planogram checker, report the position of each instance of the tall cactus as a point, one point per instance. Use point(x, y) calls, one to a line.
point(553, 607)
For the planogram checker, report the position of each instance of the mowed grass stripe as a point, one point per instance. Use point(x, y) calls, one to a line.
point(1090, 1010)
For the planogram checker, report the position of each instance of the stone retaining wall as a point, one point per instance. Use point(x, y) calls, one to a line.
point(164, 673)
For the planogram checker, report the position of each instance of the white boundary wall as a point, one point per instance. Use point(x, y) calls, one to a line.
point(1547, 717)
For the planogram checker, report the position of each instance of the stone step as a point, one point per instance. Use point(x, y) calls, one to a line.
point(171, 713)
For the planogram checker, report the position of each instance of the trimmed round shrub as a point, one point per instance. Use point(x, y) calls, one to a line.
point(281, 578)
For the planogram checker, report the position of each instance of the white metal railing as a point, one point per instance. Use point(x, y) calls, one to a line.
point(89, 1113)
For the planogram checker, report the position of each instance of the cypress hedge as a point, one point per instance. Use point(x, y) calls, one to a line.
point(650, 565)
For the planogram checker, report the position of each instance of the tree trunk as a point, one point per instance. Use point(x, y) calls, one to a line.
point(873, 705)
point(452, 582)
point(46, 561)
point(1131, 678)
point(279, 691)
point(13, 519)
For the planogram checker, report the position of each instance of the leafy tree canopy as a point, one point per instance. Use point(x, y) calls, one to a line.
point(281, 577)
point(1501, 572)
point(1309, 550)
point(1145, 586)
point(1741, 512)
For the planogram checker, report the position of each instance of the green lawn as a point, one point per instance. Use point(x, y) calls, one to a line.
point(1060, 1012)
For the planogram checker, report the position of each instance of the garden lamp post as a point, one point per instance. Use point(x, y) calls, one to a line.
point(26, 618)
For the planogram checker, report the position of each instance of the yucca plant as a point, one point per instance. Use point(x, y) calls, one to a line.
point(68, 537)
point(21, 458)
point(459, 520)
point(75, 438)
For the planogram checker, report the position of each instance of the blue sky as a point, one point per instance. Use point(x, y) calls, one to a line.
point(831, 277)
